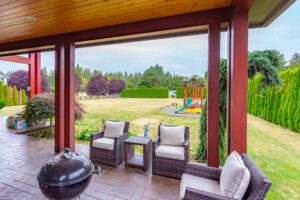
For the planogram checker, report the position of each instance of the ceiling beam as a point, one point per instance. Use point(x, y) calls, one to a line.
point(147, 26)
point(16, 59)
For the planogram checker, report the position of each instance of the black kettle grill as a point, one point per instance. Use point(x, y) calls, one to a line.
point(66, 175)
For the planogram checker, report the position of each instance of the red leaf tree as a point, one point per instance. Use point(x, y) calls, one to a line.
point(97, 86)
point(115, 86)
point(20, 80)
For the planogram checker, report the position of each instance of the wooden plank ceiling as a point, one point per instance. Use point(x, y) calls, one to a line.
point(25, 19)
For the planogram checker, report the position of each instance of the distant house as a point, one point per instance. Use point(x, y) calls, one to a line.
point(3, 77)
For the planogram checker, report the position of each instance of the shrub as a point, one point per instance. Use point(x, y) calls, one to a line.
point(42, 107)
point(15, 96)
point(85, 135)
point(132, 134)
point(20, 79)
point(145, 92)
point(2, 104)
point(115, 86)
point(97, 86)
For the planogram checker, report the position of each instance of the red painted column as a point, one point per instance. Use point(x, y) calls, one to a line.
point(228, 88)
point(38, 74)
point(35, 74)
point(238, 82)
point(213, 94)
point(59, 97)
point(70, 95)
point(31, 75)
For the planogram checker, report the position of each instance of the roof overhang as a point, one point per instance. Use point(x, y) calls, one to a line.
point(261, 14)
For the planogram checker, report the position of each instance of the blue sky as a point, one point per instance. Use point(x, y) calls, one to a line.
point(181, 55)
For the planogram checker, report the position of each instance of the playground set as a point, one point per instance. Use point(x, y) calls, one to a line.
point(193, 97)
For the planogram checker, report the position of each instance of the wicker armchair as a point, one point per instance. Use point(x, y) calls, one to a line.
point(258, 187)
point(112, 157)
point(166, 166)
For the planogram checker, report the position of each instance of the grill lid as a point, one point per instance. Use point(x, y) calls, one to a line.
point(66, 168)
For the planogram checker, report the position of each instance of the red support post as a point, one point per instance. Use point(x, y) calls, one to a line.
point(35, 74)
point(59, 97)
point(70, 95)
point(238, 82)
point(38, 74)
point(213, 94)
point(228, 88)
point(32, 75)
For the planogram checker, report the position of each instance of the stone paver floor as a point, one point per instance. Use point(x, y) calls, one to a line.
point(21, 157)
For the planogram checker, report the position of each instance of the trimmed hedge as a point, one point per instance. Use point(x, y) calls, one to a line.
point(156, 92)
point(180, 93)
point(280, 105)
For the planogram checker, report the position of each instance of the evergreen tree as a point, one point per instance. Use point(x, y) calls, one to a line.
point(249, 95)
point(295, 60)
point(287, 92)
point(297, 115)
point(6, 94)
point(270, 105)
point(202, 148)
point(24, 97)
point(276, 106)
point(293, 93)
point(15, 96)
point(1, 92)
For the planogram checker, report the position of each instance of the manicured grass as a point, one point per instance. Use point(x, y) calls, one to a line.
point(139, 112)
point(275, 150)
point(11, 110)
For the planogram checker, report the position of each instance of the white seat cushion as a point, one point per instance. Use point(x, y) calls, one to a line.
point(199, 183)
point(235, 177)
point(113, 129)
point(172, 152)
point(172, 135)
point(104, 143)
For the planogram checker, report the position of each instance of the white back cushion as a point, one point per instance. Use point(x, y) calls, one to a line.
point(173, 136)
point(113, 129)
point(235, 177)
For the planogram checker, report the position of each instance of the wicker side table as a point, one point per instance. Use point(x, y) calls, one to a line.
point(137, 160)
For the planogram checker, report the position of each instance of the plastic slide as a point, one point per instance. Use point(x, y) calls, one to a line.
point(188, 104)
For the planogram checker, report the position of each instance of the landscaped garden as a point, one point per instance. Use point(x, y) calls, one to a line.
point(143, 98)
point(274, 149)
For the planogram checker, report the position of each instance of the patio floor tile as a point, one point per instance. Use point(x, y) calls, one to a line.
point(22, 157)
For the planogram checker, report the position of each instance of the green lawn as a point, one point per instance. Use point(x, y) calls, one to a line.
point(275, 150)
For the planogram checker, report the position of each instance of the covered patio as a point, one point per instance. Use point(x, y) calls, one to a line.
point(32, 27)
point(22, 159)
